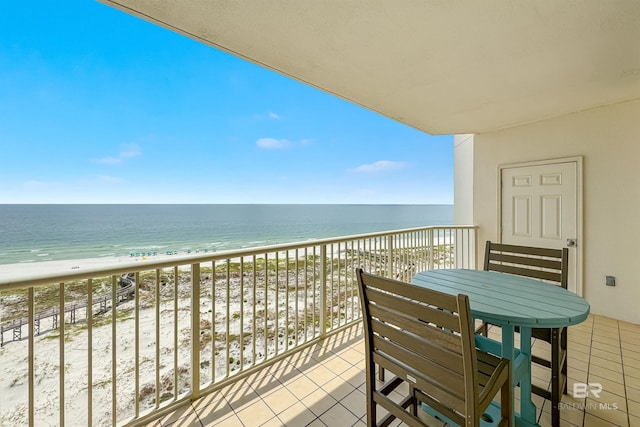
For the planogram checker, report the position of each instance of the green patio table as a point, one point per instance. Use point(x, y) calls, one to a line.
point(508, 301)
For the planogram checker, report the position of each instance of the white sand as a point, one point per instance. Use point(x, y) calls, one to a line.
point(76, 265)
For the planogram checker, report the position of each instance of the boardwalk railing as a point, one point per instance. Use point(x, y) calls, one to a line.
point(191, 325)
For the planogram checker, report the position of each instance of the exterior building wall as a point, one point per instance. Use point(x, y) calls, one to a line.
point(463, 179)
point(608, 138)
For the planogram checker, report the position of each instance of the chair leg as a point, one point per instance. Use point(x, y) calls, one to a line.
point(563, 345)
point(556, 372)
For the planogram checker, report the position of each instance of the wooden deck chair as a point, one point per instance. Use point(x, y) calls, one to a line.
point(550, 265)
point(426, 339)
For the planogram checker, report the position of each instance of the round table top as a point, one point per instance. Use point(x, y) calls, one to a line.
point(504, 299)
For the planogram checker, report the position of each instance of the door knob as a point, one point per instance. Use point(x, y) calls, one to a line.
point(572, 242)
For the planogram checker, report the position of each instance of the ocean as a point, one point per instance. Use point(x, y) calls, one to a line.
point(35, 233)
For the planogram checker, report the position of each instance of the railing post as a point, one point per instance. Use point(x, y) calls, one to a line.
point(431, 252)
point(323, 291)
point(195, 331)
point(475, 249)
point(390, 255)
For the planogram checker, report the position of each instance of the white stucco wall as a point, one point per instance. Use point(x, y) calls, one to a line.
point(463, 179)
point(608, 138)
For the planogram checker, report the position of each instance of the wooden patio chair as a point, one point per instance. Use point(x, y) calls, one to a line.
point(425, 339)
point(550, 265)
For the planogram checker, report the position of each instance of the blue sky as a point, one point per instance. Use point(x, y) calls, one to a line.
point(97, 106)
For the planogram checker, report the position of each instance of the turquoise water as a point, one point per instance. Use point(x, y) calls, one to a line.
point(32, 233)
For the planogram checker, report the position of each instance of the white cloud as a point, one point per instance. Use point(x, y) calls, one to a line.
point(107, 179)
point(130, 150)
point(274, 116)
point(34, 184)
point(273, 144)
point(127, 151)
point(109, 160)
point(380, 166)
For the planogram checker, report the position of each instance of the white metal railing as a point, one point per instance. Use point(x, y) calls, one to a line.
point(189, 325)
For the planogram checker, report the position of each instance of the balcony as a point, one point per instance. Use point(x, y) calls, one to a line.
point(324, 385)
point(262, 336)
point(138, 339)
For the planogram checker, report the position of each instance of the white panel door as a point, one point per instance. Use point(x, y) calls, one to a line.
point(539, 208)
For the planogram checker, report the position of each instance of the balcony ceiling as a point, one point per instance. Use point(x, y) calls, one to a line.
point(441, 66)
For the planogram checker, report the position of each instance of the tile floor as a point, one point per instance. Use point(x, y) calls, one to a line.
point(324, 385)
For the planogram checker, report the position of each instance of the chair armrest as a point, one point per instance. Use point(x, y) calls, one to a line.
point(500, 376)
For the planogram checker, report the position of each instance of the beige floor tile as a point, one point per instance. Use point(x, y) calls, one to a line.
point(579, 365)
point(338, 416)
point(190, 420)
point(631, 371)
point(603, 329)
point(633, 394)
point(279, 400)
point(604, 354)
point(607, 385)
point(630, 354)
point(182, 412)
point(605, 373)
point(632, 337)
point(577, 355)
point(632, 382)
point(356, 402)
point(580, 337)
point(320, 375)
point(572, 416)
point(328, 388)
point(606, 347)
point(629, 326)
point(354, 376)
point(633, 408)
point(255, 414)
point(579, 348)
point(319, 401)
point(577, 375)
point(215, 410)
point(242, 398)
point(628, 361)
point(336, 364)
point(231, 420)
point(612, 341)
point(593, 421)
point(609, 400)
point(353, 356)
point(631, 346)
point(606, 363)
point(602, 320)
point(296, 416)
point(301, 386)
point(338, 388)
point(615, 416)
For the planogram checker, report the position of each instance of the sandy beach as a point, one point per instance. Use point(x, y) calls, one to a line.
point(76, 265)
point(14, 354)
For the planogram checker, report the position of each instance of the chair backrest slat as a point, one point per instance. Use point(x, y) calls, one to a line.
point(425, 313)
point(424, 335)
point(424, 367)
point(539, 263)
point(440, 337)
point(437, 299)
point(436, 354)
